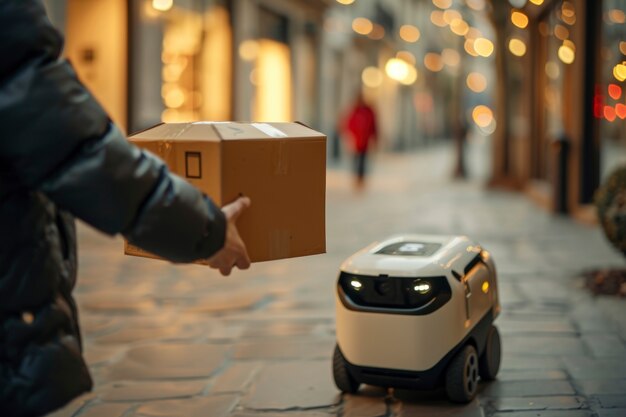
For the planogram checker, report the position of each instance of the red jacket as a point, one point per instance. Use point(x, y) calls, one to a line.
point(361, 127)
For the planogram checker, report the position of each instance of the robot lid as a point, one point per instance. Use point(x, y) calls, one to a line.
point(414, 255)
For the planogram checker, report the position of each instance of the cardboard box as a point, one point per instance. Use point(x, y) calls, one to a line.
point(280, 166)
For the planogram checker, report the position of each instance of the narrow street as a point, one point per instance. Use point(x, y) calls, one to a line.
point(165, 340)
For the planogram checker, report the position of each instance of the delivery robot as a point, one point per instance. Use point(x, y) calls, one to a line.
point(417, 312)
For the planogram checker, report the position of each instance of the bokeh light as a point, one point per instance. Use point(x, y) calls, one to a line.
point(517, 47)
point(162, 5)
point(566, 54)
point(362, 25)
point(622, 47)
point(346, 2)
point(483, 47)
point(619, 71)
point(476, 82)
point(436, 17)
point(561, 32)
point(552, 70)
point(482, 115)
point(372, 77)
point(409, 33)
point(617, 16)
point(469, 47)
point(406, 56)
point(537, 2)
point(615, 91)
point(450, 15)
point(519, 19)
point(442, 4)
point(459, 27)
point(433, 62)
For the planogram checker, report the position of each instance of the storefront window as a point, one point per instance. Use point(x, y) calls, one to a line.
point(184, 49)
point(610, 99)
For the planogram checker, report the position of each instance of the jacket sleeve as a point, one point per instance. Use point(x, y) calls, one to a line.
point(55, 138)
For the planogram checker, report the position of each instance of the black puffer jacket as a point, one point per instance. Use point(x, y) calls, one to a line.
point(60, 156)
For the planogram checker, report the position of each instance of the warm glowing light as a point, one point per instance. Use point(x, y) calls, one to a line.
point(537, 2)
point(459, 27)
point(615, 91)
point(476, 82)
point(450, 57)
point(254, 77)
point(372, 77)
point(469, 47)
point(622, 47)
point(519, 19)
point(569, 44)
point(346, 2)
point(485, 287)
point(362, 25)
point(377, 33)
point(397, 69)
point(517, 47)
point(478, 5)
point(617, 16)
point(561, 32)
point(570, 20)
point(273, 98)
point(409, 33)
point(566, 54)
point(609, 113)
point(552, 70)
point(433, 62)
point(421, 287)
point(162, 5)
point(620, 110)
point(411, 75)
point(442, 4)
point(174, 98)
point(567, 9)
point(406, 56)
point(436, 16)
point(619, 71)
point(483, 47)
point(482, 115)
point(356, 284)
point(248, 50)
point(450, 15)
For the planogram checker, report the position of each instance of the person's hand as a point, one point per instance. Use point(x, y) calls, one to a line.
point(234, 252)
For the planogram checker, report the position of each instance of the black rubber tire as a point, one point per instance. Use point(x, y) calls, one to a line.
point(343, 380)
point(462, 375)
point(489, 361)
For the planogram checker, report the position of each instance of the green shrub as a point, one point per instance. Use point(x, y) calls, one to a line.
point(610, 202)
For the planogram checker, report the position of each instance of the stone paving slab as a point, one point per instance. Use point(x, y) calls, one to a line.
point(536, 403)
point(292, 385)
point(218, 406)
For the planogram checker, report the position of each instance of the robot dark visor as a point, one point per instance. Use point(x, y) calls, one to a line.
point(399, 295)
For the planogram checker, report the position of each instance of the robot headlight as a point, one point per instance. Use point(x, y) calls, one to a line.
point(421, 286)
point(356, 284)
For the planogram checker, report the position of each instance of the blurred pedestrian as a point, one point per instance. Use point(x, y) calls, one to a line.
point(360, 129)
point(60, 157)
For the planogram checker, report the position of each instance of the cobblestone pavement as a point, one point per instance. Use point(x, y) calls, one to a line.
point(165, 340)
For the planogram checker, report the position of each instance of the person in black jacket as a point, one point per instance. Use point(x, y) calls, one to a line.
point(60, 157)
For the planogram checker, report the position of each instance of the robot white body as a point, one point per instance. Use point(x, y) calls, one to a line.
point(406, 307)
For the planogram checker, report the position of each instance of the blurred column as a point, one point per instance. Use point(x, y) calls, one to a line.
point(145, 66)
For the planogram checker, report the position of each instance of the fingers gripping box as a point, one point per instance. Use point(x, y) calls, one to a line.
point(280, 166)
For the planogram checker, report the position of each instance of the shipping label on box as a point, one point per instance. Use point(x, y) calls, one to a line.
point(280, 166)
